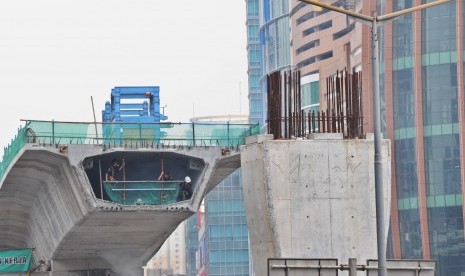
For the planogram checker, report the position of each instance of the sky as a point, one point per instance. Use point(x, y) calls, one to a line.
point(56, 54)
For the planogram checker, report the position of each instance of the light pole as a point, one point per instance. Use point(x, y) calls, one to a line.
point(375, 21)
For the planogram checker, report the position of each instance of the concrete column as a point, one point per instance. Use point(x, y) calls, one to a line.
point(311, 198)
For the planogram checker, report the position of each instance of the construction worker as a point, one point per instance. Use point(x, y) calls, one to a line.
point(165, 176)
point(116, 168)
point(185, 189)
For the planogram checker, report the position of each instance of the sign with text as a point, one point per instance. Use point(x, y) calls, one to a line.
point(18, 260)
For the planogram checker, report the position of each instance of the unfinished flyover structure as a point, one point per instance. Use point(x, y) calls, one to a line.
point(62, 194)
point(87, 197)
point(309, 190)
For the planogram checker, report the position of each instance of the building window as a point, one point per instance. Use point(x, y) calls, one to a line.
point(317, 28)
point(252, 8)
point(308, 46)
point(254, 56)
point(310, 93)
point(310, 15)
point(253, 32)
point(314, 59)
point(343, 32)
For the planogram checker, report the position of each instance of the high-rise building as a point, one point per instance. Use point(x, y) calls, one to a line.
point(423, 107)
point(192, 241)
point(171, 258)
point(223, 234)
point(274, 32)
point(323, 43)
point(256, 103)
point(223, 239)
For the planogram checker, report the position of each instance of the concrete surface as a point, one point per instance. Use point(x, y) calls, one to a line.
point(48, 203)
point(312, 198)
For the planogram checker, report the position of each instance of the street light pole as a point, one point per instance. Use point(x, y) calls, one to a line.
point(379, 191)
point(376, 21)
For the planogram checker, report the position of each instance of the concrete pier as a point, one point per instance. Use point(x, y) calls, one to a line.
point(312, 198)
point(50, 201)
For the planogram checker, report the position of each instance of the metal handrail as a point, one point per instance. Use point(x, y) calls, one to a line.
point(198, 134)
point(140, 134)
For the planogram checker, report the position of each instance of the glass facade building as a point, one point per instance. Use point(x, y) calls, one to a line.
point(404, 121)
point(274, 39)
point(423, 109)
point(427, 134)
point(423, 106)
point(192, 245)
point(254, 51)
point(223, 236)
point(275, 34)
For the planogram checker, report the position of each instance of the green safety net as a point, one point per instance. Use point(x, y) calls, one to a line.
point(10, 152)
point(140, 134)
point(127, 135)
point(142, 192)
point(51, 133)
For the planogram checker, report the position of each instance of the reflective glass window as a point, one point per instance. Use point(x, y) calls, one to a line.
point(410, 234)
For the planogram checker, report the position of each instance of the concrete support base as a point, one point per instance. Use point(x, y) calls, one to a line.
point(312, 198)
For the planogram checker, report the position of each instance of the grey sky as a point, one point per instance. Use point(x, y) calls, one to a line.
point(55, 54)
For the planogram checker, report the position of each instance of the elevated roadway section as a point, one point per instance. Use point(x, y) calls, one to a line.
point(57, 197)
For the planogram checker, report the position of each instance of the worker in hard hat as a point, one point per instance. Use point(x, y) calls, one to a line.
point(185, 189)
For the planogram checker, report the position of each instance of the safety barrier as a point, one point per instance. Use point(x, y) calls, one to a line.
point(128, 135)
point(10, 151)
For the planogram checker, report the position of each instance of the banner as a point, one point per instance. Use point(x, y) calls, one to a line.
point(15, 260)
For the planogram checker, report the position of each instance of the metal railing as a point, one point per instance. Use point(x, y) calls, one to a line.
point(127, 135)
point(330, 267)
point(144, 192)
point(137, 135)
point(10, 151)
point(316, 122)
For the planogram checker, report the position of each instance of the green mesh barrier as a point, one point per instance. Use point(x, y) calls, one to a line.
point(52, 133)
point(113, 134)
point(127, 135)
point(10, 152)
point(140, 134)
point(142, 192)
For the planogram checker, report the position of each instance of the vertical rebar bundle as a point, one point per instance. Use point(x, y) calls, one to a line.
point(343, 112)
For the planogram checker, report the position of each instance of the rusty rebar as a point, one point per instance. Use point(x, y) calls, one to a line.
point(341, 106)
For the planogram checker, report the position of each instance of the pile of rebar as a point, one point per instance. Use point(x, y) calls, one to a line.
point(342, 101)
